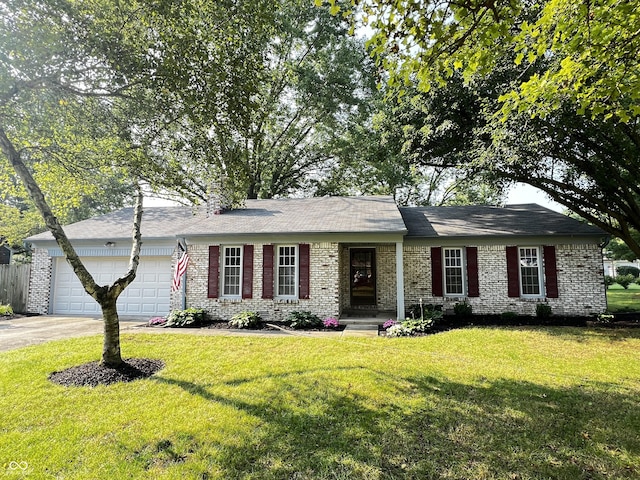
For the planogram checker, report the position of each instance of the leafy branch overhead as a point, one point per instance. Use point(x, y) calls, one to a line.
point(593, 48)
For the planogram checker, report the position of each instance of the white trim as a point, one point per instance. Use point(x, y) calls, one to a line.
point(296, 273)
point(223, 256)
point(540, 260)
point(399, 281)
point(463, 263)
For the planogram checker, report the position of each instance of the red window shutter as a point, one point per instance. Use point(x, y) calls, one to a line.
point(303, 272)
point(550, 271)
point(513, 272)
point(214, 271)
point(267, 271)
point(473, 286)
point(436, 271)
point(247, 272)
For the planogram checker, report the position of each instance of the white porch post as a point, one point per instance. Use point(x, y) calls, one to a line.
point(399, 281)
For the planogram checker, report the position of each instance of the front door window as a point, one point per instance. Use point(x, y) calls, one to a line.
point(363, 276)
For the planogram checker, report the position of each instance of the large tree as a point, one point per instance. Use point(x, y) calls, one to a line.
point(95, 88)
point(314, 82)
point(557, 92)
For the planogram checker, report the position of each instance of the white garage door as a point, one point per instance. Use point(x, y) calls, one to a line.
point(147, 295)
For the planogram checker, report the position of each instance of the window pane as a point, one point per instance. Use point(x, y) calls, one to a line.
point(453, 272)
point(231, 271)
point(530, 271)
point(287, 271)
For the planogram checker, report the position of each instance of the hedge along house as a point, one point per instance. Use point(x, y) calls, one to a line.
point(334, 256)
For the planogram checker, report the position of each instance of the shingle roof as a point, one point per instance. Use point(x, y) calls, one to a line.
point(157, 222)
point(473, 221)
point(375, 214)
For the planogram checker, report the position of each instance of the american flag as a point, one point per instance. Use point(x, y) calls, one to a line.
point(181, 268)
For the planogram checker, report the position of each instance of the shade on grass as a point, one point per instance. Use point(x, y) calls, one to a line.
point(513, 403)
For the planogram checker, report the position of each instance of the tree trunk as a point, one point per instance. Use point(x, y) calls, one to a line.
point(111, 341)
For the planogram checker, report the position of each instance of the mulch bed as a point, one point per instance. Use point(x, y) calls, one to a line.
point(94, 373)
point(270, 326)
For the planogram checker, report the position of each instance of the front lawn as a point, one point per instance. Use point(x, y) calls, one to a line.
point(621, 300)
point(478, 403)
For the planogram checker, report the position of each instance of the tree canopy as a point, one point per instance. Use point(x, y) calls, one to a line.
point(101, 90)
point(590, 49)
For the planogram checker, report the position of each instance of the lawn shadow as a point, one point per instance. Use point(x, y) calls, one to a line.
point(320, 424)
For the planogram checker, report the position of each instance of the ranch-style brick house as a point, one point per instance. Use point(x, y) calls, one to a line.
point(333, 256)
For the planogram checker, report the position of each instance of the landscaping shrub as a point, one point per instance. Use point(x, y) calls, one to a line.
point(6, 310)
point(245, 319)
point(543, 310)
point(508, 316)
point(463, 309)
point(628, 270)
point(412, 326)
point(303, 319)
point(417, 310)
point(190, 317)
point(625, 280)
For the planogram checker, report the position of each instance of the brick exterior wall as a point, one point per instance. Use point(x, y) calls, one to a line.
point(580, 282)
point(324, 295)
point(40, 282)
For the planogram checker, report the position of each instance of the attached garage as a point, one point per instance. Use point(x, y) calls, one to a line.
point(148, 294)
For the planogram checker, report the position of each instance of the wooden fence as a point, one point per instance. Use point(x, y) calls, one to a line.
point(14, 286)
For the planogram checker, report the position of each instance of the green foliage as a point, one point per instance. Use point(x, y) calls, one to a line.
point(303, 319)
point(245, 319)
point(617, 249)
point(6, 310)
point(609, 280)
point(191, 317)
point(591, 47)
point(625, 280)
point(420, 324)
point(628, 270)
point(418, 310)
point(543, 310)
point(463, 309)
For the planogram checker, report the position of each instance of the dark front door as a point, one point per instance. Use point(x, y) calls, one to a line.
point(363, 276)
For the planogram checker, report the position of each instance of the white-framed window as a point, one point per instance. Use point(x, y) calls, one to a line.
point(287, 271)
point(231, 271)
point(453, 271)
point(530, 271)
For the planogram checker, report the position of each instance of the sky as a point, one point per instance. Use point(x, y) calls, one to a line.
point(522, 193)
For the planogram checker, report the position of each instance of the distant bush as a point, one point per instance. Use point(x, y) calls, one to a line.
point(6, 310)
point(609, 280)
point(628, 270)
point(246, 319)
point(303, 319)
point(625, 280)
point(190, 317)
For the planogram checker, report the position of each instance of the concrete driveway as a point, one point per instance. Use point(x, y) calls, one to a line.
point(24, 331)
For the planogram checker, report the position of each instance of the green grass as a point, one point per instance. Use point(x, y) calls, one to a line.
point(484, 403)
point(621, 300)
